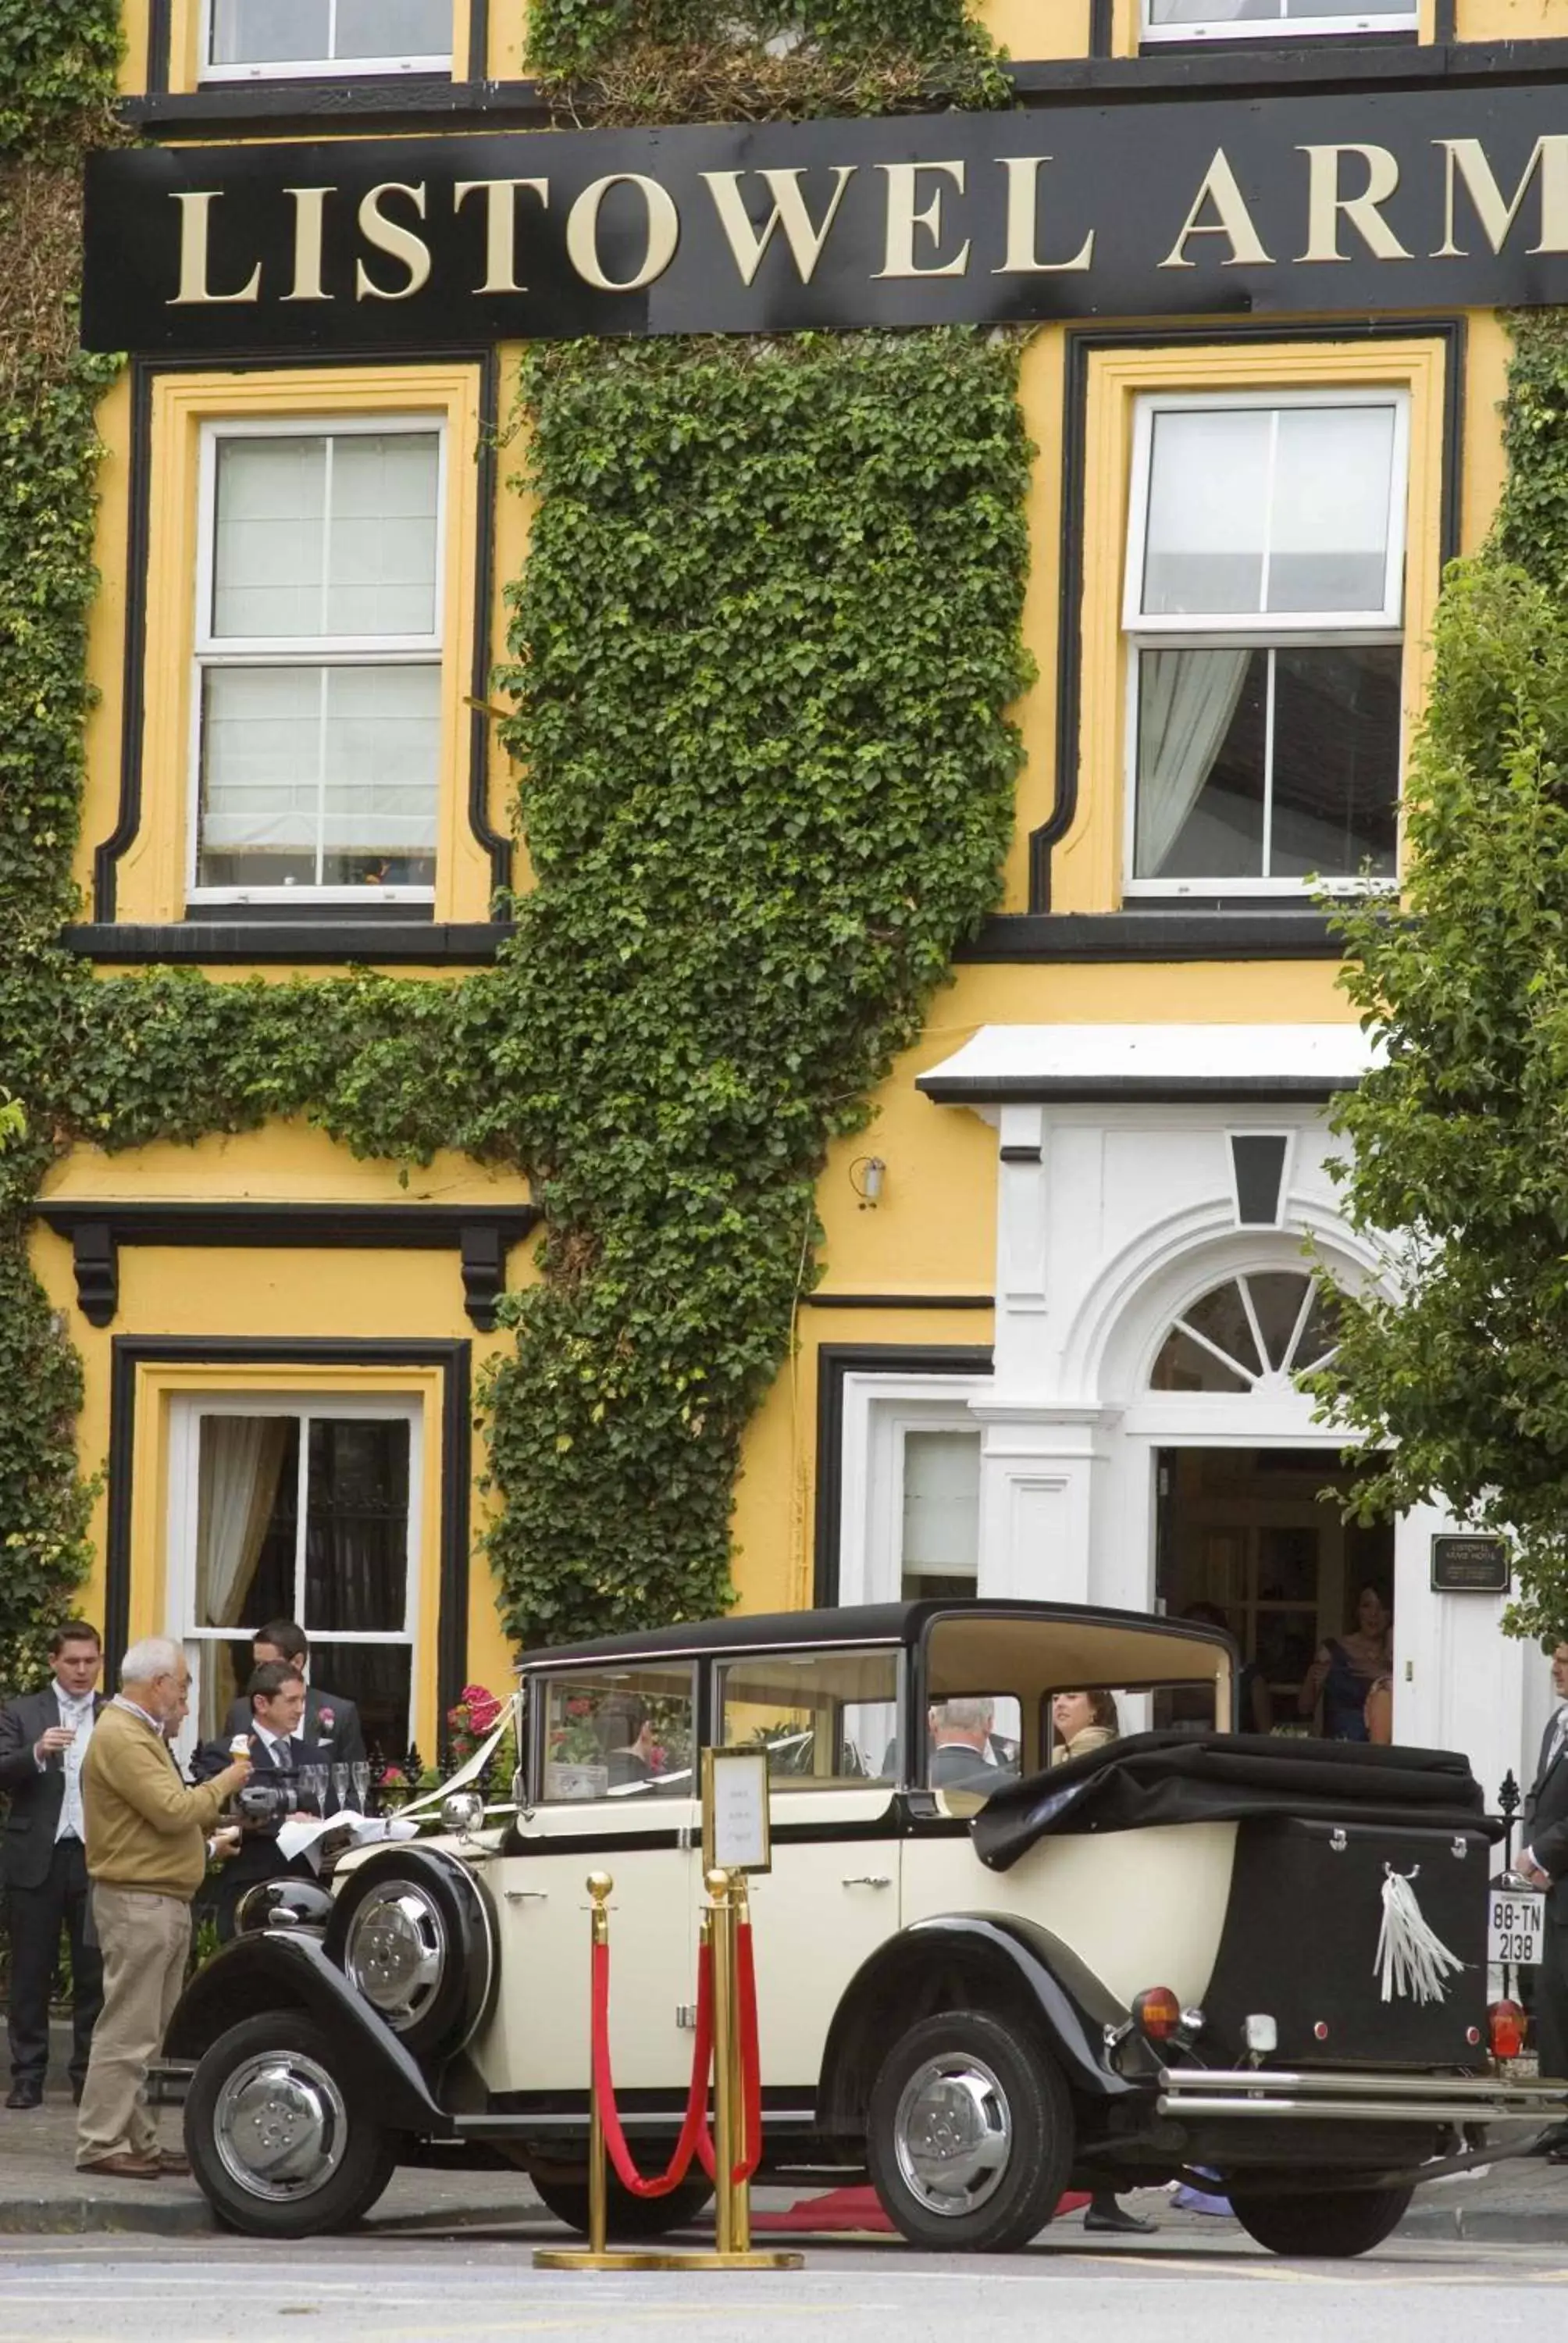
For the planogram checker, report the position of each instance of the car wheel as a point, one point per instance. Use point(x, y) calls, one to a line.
point(278, 2143)
point(1335, 2223)
point(411, 1930)
point(630, 2218)
point(971, 2137)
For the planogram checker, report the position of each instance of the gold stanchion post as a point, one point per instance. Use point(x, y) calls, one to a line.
point(733, 2197)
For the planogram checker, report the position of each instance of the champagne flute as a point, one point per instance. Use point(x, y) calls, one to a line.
point(360, 1770)
point(339, 1787)
point(313, 1782)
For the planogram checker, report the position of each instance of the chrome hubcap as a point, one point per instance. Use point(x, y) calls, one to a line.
point(280, 2125)
point(953, 2134)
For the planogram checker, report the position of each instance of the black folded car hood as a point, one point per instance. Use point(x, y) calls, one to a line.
point(1153, 1778)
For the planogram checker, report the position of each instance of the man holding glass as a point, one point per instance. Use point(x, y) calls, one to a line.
point(43, 1738)
point(282, 1760)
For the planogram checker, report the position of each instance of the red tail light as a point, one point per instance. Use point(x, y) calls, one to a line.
point(1505, 2023)
point(1157, 2014)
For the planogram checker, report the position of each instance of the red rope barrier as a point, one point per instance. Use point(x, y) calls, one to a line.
point(694, 2129)
point(750, 2057)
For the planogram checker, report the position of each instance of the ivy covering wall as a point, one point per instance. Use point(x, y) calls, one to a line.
point(57, 60)
point(760, 665)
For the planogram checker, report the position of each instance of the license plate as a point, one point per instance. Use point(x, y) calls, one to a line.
point(1517, 1921)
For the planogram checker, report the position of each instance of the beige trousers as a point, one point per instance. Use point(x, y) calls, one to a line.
point(145, 1940)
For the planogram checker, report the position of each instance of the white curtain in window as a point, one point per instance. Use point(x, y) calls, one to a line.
point(241, 1459)
point(941, 1503)
point(1186, 701)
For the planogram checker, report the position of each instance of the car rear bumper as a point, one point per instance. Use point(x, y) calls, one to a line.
point(1350, 2095)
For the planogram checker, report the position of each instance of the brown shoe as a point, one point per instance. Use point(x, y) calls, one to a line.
point(124, 2166)
point(171, 2160)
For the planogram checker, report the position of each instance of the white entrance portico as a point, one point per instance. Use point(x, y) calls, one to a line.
point(1162, 1190)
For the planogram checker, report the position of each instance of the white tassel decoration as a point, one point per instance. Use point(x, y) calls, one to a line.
point(1410, 1959)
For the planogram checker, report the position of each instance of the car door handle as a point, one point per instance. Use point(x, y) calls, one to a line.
point(869, 1879)
point(528, 1894)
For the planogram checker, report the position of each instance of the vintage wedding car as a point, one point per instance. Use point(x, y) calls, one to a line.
point(981, 1979)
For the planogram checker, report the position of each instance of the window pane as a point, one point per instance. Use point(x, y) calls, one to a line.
point(1321, 1332)
point(381, 562)
point(942, 1512)
point(1214, 11)
point(619, 1732)
point(379, 1679)
point(248, 1478)
point(1202, 741)
point(394, 28)
point(357, 1525)
point(279, 32)
point(1184, 1365)
point(1329, 528)
point(972, 1742)
point(268, 32)
point(268, 548)
point(827, 1719)
point(1336, 761)
point(1220, 1317)
point(1208, 505)
point(1277, 1299)
point(343, 760)
point(1221, 13)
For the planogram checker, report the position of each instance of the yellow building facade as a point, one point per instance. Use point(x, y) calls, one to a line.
point(1062, 1283)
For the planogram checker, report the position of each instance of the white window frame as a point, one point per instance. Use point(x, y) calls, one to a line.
point(307, 68)
point(878, 1411)
point(297, 650)
point(185, 1414)
point(1263, 630)
point(1286, 28)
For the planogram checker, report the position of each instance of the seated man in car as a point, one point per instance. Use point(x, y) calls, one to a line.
point(625, 1736)
point(963, 1756)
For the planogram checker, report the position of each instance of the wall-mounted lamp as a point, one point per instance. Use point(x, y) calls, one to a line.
point(867, 1174)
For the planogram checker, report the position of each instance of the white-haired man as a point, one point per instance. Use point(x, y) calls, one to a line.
point(147, 1845)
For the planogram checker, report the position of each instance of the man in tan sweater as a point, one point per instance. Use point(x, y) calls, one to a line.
point(147, 1843)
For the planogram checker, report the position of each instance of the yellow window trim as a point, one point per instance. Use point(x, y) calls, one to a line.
point(152, 874)
point(1086, 869)
point(158, 1387)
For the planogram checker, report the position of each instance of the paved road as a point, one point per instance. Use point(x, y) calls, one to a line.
point(419, 2290)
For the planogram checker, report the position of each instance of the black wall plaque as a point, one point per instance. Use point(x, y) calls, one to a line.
point(1471, 1565)
point(1331, 202)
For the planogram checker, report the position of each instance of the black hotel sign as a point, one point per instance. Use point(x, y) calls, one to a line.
point(1343, 203)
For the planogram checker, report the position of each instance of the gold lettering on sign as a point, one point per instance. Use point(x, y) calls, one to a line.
point(903, 219)
point(196, 217)
point(1465, 158)
point(1022, 209)
point(1325, 203)
point(747, 243)
point(582, 233)
point(399, 242)
point(1232, 219)
point(500, 227)
point(309, 204)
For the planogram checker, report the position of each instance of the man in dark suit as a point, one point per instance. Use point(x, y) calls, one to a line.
point(1544, 1863)
point(279, 1750)
point(43, 1738)
point(328, 1718)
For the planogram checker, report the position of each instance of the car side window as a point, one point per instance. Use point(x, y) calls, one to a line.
point(615, 1732)
point(828, 1720)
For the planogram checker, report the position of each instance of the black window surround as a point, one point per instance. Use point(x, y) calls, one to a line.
point(406, 922)
point(160, 63)
point(1002, 937)
point(455, 1361)
point(835, 1361)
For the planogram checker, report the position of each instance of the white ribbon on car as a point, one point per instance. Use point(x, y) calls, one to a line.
point(428, 1801)
point(1412, 1958)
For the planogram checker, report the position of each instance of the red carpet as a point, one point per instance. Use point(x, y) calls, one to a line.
point(857, 2208)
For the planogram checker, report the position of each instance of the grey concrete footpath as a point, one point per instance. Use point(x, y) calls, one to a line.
point(1521, 2202)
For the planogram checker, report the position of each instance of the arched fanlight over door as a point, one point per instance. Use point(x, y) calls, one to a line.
point(1266, 1325)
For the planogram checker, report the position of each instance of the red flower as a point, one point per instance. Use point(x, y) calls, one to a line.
point(482, 1708)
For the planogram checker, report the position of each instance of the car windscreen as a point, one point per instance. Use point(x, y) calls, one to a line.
point(827, 1719)
point(615, 1732)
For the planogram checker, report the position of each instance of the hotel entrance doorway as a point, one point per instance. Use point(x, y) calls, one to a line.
point(1251, 1531)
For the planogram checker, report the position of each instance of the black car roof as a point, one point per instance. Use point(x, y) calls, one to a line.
point(862, 1622)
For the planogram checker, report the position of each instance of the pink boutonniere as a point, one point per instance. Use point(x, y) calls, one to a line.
point(325, 1718)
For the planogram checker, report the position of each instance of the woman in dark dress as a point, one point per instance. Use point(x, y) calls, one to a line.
point(1347, 1667)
